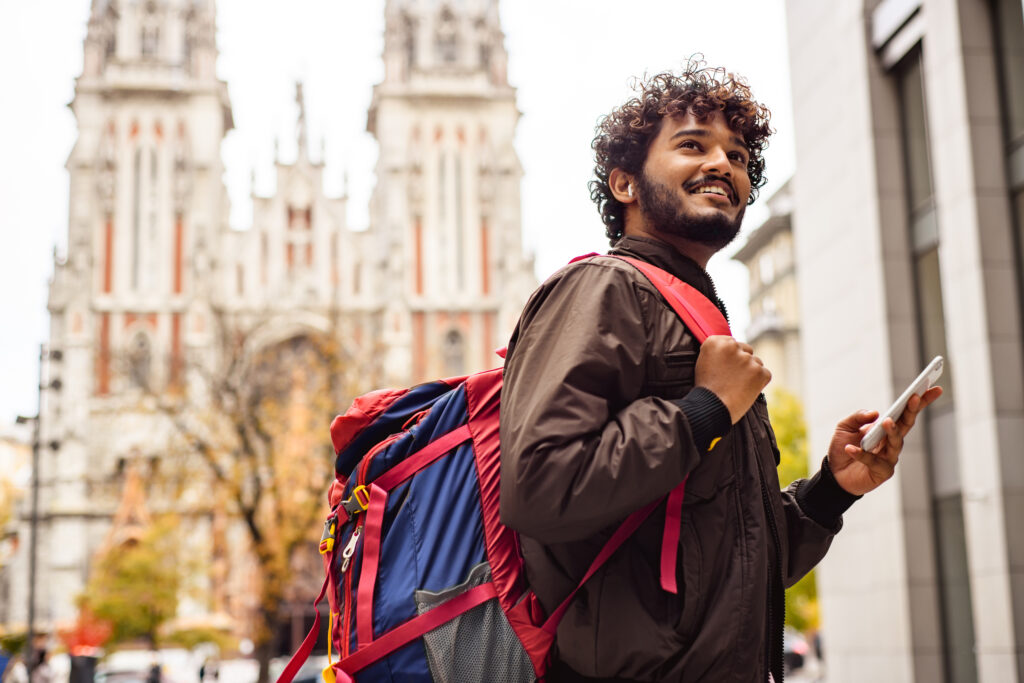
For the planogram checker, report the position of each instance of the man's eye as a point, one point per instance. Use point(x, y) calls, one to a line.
point(739, 158)
point(688, 144)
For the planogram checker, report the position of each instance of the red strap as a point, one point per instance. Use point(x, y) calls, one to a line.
point(700, 315)
point(618, 538)
point(302, 654)
point(371, 562)
point(670, 538)
point(423, 457)
point(416, 627)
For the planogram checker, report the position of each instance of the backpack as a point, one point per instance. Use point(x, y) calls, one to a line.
point(423, 580)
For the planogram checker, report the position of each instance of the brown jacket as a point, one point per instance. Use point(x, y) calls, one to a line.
point(590, 433)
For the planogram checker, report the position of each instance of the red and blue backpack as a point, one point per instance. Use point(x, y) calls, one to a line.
point(424, 581)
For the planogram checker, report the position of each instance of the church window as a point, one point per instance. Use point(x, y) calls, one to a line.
point(136, 217)
point(460, 241)
point(454, 354)
point(139, 357)
point(446, 38)
point(150, 40)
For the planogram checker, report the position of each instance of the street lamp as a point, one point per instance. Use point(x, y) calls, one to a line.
point(54, 385)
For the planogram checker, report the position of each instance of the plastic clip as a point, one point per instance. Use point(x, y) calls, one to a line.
point(358, 501)
point(327, 538)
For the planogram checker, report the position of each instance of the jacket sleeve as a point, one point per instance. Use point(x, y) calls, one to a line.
point(581, 449)
point(814, 509)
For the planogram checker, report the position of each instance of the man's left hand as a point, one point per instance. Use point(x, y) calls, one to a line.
point(858, 471)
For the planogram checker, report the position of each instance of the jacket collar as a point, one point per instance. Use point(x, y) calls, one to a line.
point(666, 257)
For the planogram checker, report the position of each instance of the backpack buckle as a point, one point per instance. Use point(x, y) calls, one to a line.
point(327, 538)
point(358, 502)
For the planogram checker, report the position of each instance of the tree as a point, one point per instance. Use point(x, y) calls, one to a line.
point(257, 420)
point(135, 585)
point(787, 418)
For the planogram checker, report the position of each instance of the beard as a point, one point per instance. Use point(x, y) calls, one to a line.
point(664, 211)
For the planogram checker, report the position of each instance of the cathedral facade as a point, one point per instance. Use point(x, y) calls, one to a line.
point(152, 269)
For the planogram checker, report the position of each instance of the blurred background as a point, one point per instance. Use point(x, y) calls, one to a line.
point(222, 221)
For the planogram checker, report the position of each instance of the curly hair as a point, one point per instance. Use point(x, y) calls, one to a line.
point(624, 136)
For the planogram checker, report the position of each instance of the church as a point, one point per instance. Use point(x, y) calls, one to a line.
point(157, 289)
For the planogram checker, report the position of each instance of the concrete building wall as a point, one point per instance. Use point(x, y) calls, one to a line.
point(865, 250)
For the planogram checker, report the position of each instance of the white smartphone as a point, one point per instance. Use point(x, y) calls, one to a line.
point(920, 385)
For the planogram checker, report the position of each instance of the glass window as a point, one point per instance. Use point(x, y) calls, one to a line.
point(454, 354)
point(939, 420)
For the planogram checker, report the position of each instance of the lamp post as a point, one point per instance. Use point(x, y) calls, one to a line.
point(54, 384)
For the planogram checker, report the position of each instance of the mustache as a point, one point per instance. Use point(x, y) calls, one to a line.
point(693, 184)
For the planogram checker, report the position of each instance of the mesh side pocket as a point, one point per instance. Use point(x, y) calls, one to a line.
point(478, 645)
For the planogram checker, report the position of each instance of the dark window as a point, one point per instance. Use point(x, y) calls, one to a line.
point(939, 421)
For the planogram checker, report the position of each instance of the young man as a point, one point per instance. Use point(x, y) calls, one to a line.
point(609, 403)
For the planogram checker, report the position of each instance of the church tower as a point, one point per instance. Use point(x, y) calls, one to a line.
point(446, 208)
point(146, 209)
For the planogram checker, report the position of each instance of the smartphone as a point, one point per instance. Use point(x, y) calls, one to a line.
point(920, 385)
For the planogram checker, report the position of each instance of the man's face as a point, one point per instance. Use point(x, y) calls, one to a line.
point(694, 183)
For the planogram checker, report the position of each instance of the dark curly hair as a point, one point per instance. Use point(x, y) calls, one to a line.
point(624, 135)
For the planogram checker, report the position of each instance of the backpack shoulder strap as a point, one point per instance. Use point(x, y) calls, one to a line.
point(699, 313)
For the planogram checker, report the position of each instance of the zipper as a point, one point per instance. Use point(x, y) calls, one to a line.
point(346, 559)
point(776, 625)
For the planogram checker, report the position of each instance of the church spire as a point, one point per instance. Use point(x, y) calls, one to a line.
point(301, 129)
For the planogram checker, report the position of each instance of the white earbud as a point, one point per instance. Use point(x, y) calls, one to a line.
point(629, 190)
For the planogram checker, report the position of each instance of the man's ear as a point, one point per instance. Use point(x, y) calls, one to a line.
point(622, 186)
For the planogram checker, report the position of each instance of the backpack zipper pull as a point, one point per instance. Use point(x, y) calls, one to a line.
point(350, 548)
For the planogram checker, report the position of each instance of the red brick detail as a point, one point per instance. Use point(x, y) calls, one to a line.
point(134, 130)
point(309, 217)
point(438, 134)
point(108, 256)
point(489, 347)
point(290, 253)
point(179, 253)
point(158, 131)
point(419, 351)
point(291, 218)
point(151, 321)
point(309, 254)
point(176, 357)
point(485, 261)
point(129, 320)
point(103, 357)
point(417, 237)
point(460, 133)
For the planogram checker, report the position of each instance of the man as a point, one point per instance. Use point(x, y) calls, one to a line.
point(609, 403)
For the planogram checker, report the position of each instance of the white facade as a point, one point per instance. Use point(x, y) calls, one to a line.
point(908, 214)
point(432, 286)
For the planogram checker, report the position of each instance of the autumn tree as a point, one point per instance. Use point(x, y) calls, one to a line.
point(255, 414)
point(787, 418)
point(135, 585)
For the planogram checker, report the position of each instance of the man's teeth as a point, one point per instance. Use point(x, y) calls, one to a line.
point(709, 189)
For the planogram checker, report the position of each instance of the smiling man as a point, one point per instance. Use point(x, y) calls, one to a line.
point(610, 403)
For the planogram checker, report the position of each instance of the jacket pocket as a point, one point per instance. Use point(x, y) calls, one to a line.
point(688, 578)
point(672, 375)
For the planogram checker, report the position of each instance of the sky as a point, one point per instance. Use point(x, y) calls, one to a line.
point(570, 60)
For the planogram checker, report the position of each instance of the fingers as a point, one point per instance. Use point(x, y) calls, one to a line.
point(854, 422)
point(880, 467)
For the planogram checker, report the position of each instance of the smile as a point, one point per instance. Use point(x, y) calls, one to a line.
point(715, 188)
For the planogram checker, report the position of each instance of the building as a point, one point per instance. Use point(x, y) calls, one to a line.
point(908, 217)
point(153, 270)
point(774, 329)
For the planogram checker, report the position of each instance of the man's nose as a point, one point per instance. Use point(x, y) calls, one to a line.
point(717, 161)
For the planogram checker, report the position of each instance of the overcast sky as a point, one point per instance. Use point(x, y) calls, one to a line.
point(571, 61)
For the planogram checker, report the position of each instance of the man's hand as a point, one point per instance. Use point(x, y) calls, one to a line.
point(732, 371)
point(858, 471)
